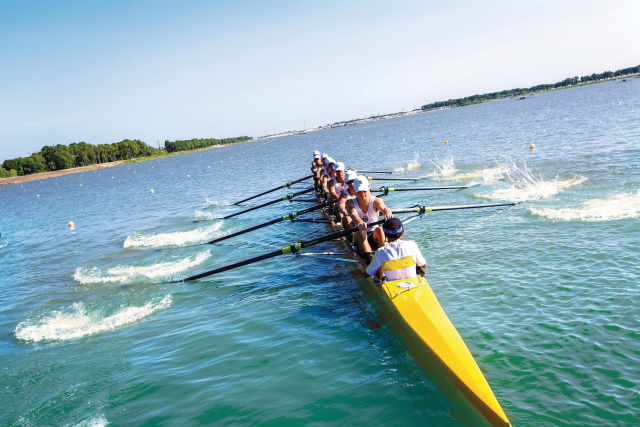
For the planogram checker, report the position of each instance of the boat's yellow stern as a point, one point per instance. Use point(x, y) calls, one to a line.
point(420, 309)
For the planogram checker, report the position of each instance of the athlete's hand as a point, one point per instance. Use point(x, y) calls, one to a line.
point(388, 215)
point(362, 226)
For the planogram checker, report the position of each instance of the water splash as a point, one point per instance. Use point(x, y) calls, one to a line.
point(618, 206)
point(444, 168)
point(177, 238)
point(487, 176)
point(130, 274)
point(411, 165)
point(525, 186)
point(2, 245)
point(206, 216)
point(77, 321)
point(215, 204)
point(97, 421)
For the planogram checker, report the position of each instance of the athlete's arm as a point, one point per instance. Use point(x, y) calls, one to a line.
point(378, 205)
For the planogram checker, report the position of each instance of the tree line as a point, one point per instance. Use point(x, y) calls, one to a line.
point(60, 156)
point(192, 144)
point(569, 81)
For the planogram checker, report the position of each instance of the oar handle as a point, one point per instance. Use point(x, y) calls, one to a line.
point(287, 185)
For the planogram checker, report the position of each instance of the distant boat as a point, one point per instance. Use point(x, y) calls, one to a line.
point(522, 97)
point(624, 80)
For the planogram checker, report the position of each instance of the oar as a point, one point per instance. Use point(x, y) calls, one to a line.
point(359, 171)
point(387, 190)
point(287, 197)
point(287, 185)
point(289, 217)
point(371, 178)
point(424, 209)
point(291, 249)
point(297, 247)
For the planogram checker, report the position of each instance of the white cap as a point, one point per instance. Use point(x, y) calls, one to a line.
point(330, 161)
point(350, 175)
point(325, 155)
point(316, 153)
point(339, 167)
point(361, 183)
point(316, 156)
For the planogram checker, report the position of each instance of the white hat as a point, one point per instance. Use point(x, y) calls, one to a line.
point(330, 161)
point(325, 155)
point(361, 183)
point(350, 176)
point(316, 156)
point(339, 167)
point(316, 153)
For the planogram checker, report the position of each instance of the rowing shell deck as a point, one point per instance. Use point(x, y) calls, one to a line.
point(414, 304)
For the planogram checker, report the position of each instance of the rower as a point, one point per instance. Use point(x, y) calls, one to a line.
point(399, 258)
point(337, 184)
point(330, 173)
point(362, 210)
point(316, 167)
point(348, 193)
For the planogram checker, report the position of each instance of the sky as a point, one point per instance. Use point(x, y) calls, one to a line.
point(103, 71)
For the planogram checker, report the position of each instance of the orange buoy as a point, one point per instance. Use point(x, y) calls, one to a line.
point(533, 147)
point(446, 142)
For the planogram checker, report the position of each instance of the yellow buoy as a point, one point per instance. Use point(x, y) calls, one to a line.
point(188, 176)
point(533, 147)
point(446, 142)
point(361, 137)
point(80, 185)
point(379, 138)
point(208, 167)
point(151, 191)
point(618, 103)
point(71, 225)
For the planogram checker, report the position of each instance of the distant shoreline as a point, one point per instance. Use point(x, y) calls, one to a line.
point(53, 174)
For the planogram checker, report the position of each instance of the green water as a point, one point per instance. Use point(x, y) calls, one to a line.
point(545, 294)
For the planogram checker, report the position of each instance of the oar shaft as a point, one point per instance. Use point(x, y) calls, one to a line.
point(425, 209)
point(359, 171)
point(372, 178)
point(387, 190)
point(289, 216)
point(287, 197)
point(287, 185)
point(296, 247)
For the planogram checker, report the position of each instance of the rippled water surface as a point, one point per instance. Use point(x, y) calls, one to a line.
point(545, 293)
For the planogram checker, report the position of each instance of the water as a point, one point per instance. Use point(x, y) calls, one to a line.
point(545, 293)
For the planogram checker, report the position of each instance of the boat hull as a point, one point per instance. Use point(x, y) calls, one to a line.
point(414, 305)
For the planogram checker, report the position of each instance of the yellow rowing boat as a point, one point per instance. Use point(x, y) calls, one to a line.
point(415, 305)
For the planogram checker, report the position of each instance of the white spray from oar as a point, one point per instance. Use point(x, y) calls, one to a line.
point(618, 206)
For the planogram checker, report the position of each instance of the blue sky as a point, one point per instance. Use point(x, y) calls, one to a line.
point(100, 72)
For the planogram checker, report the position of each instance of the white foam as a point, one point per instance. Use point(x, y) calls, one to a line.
point(411, 165)
point(525, 186)
point(618, 206)
point(2, 245)
point(177, 238)
point(77, 322)
point(488, 175)
point(444, 168)
point(206, 216)
point(214, 204)
point(97, 421)
point(130, 273)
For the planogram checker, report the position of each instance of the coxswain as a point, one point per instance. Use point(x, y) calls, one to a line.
point(363, 210)
point(399, 258)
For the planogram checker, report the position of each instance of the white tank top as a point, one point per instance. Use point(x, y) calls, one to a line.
point(370, 216)
point(339, 187)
